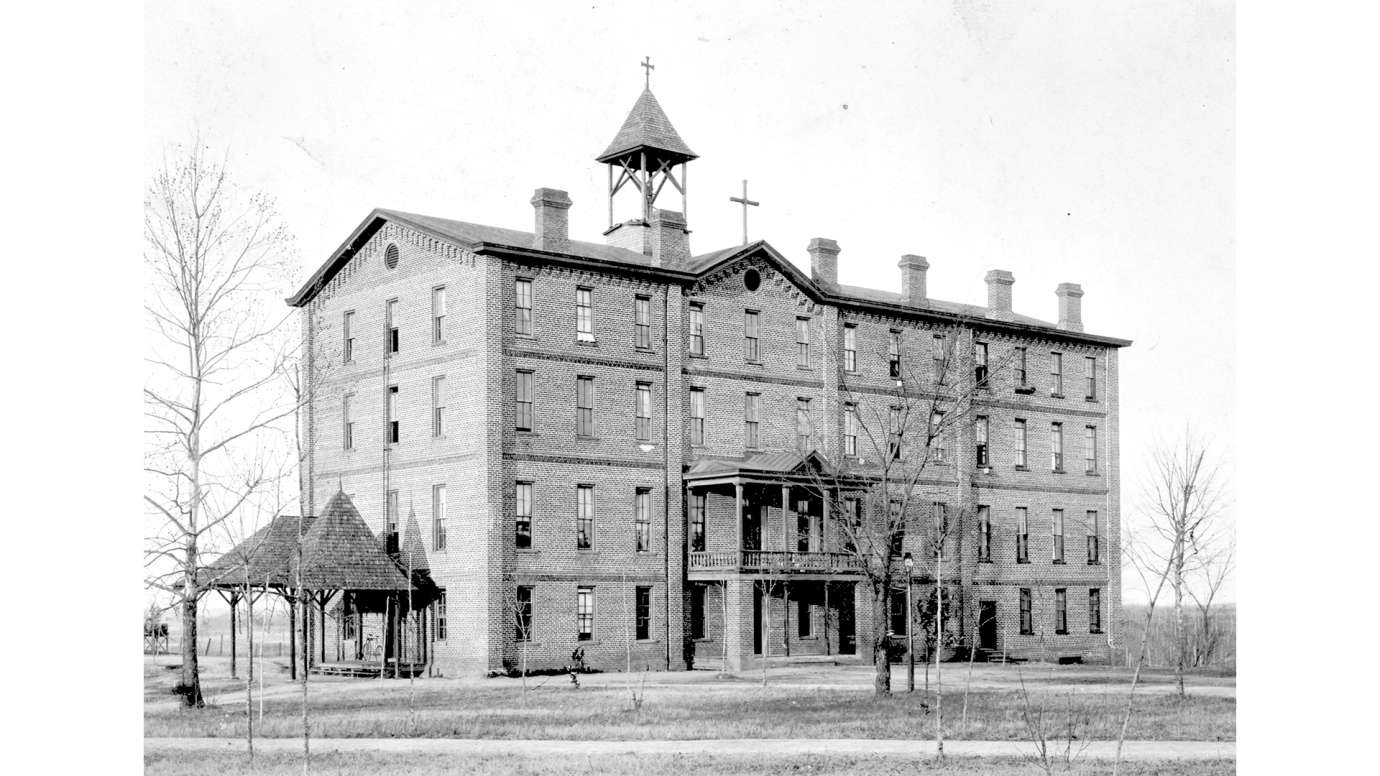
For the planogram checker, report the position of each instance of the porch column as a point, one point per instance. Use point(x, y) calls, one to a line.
point(738, 523)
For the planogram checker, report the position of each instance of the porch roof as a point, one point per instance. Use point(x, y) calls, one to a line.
point(773, 466)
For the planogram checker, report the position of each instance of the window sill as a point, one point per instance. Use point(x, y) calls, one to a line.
point(1093, 473)
point(1058, 562)
point(1094, 563)
point(1020, 468)
point(1057, 471)
point(647, 641)
point(1097, 632)
point(587, 343)
point(1061, 633)
point(525, 337)
point(696, 355)
point(1025, 562)
point(586, 438)
point(526, 432)
point(1092, 399)
point(802, 368)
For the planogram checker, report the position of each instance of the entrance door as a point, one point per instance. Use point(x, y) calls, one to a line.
point(848, 643)
point(987, 624)
point(756, 620)
point(752, 527)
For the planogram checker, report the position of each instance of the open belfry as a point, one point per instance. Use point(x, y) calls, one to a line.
point(631, 453)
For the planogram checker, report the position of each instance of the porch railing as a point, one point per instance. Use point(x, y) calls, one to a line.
point(777, 561)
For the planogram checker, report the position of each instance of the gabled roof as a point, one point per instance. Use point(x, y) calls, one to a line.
point(647, 127)
point(771, 465)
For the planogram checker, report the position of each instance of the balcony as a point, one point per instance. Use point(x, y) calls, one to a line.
point(776, 562)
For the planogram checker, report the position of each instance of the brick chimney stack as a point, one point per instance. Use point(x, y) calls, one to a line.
point(1070, 306)
point(999, 283)
point(913, 289)
point(552, 230)
point(824, 261)
point(669, 239)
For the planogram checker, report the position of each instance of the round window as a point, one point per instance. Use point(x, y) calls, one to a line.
point(752, 279)
point(390, 256)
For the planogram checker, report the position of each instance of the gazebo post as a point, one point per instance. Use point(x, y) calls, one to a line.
point(323, 625)
point(383, 658)
point(292, 634)
point(234, 605)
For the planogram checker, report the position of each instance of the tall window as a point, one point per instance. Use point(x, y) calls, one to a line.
point(1056, 446)
point(850, 348)
point(1058, 531)
point(643, 411)
point(644, 613)
point(349, 327)
point(1061, 610)
point(896, 524)
point(390, 515)
point(697, 607)
point(524, 401)
point(642, 322)
point(852, 511)
point(523, 614)
point(1090, 449)
point(1022, 535)
point(896, 607)
point(1094, 538)
point(438, 406)
point(850, 430)
point(697, 523)
point(805, 625)
point(642, 519)
point(1020, 443)
point(522, 516)
point(1056, 373)
point(392, 411)
point(584, 406)
point(696, 329)
point(349, 420)
point(752, 438)
point(940, 358)
point(984, 516)
point(937, 434)
point(1090, 377)
point(980, 435)
point(941, 522)
point(802, 424)
point(893, 354)
point(584, 315)
point(584, 613)
point(751, 332)
point(439, 617)
point(1022, 379)
point(1094, 610)
point(438, 315)
point(802, 341)
point(697, 416)
point(1027, 624)
point(438, 517)
point(802, 526)
point(980, 364)
point(522, 307)
point(893, 433)
point(584, 517)
point(391, 327)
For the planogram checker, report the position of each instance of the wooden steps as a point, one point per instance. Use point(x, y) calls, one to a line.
point(367, 670)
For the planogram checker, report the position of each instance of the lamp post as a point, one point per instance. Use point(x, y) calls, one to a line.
point(910, 629)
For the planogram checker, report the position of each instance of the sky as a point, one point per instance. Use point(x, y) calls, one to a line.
point(1063, 141)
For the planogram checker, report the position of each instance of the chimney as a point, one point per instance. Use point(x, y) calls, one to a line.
point(913, 279)
point(999, 283)
point(552, 232)
point(824, 261)
point(1070, 306)
point(669, 240)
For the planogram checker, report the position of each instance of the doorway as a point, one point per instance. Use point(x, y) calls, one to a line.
point(848, 637)
point(756, 620)
point(987, 625)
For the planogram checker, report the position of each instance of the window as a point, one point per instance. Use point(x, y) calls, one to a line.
point(852, 512)
point(1094, 610)
point(697, 523)
point(751, 427)
point(522, 307)
point(1090, 449)
point(584, 406)
point(941, 522)
point(1021, 375)
point(937, 435)
point(980, 434)
point(696, 329)
point(584, 315)
point(940, 358)
point(524, 401)
point(984, 516)
point(391, 327)
point(751, 332)
point(349, 624)
point(893, 354)
point(805, 626)
point(643, 411)
point(1022, 535)
point(584, 613)
point(438, 315)
point(1056, 373)
point(390, 516)
point(1027, 626)
point(893, 434)
point(1094, 538)
point(523, 614)
point(850, 430)
point(1061, 610)
point(439, 615)
point(642, 322)
point(348, 326)
point(438, 406)
point(522, 516)
point(802, 342)
point(802, 425)
point(1056, 446)
point(1020, 443)
point(802, 526)
point(1058, 530)
point(644, 613)
point(850, 348)
point(392, 409)
point(697, 606)
point(896, 606)
point(642, 519)
point(1090, 377)
point(980, 364)
point(438, 517)
point(584, 517)
point(896, 525)
point(697, 416)
point(349, 421)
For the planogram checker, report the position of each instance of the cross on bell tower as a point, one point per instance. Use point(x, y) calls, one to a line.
point(647, 153)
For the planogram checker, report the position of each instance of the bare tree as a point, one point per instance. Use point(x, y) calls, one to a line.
point(214, 258)
point(1160, 573)
point(1215, 565)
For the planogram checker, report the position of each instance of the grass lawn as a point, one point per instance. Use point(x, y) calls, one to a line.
point(371, 764)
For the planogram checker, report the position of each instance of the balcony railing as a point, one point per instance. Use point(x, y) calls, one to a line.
point(777, 561)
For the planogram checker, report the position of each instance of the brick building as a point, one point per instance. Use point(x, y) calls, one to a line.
point(606, 445)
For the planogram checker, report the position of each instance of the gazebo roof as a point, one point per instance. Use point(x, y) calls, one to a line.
point(339, 552)
point(268, 554)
